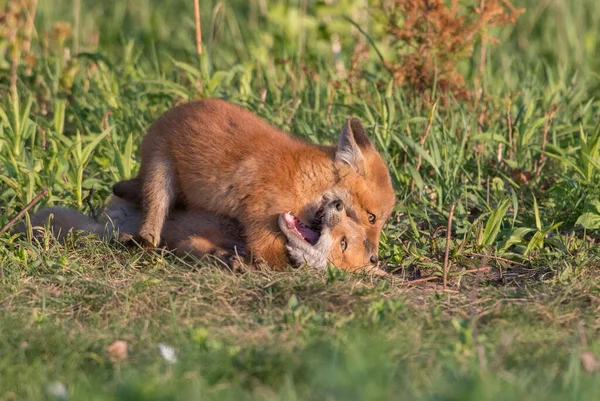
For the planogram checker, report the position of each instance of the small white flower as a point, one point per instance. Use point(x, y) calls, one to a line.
point(57, 390)
point(168, 353)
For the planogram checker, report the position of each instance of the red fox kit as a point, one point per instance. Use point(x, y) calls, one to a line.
point(200, 233)
point(216, 156)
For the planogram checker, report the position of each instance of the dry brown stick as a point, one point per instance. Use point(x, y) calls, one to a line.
point(431, 278)
point(448, 234)
point(512, 148)
point(542, 159)
point(198, 30)
point(480, 82)
point(422, 141)
point(547, 126)
point(483, 49)
point(22, 212)
point(291, 117)
point(329, 107)
point(29, 26)
point(496, 258)
point(421, 280)
point(499, 153)
point(76, 12)
point(14, 59)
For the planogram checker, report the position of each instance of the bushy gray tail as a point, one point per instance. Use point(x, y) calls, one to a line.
point(61, 222)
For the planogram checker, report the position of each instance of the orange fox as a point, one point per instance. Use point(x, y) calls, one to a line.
point(200, 233)
point(216, 156)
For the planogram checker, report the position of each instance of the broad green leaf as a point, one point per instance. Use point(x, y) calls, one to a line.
point(589, 221)
point(536, 211)
point(492, 227)
point(516, 237)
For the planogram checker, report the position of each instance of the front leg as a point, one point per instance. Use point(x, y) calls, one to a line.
point(268, 245)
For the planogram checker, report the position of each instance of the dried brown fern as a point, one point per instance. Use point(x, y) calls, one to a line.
point(431, 37)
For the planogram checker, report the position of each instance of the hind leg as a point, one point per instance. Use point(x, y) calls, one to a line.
point(159, 191)
point(130, 190)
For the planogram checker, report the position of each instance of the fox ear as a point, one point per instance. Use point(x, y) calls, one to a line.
point(353, 142)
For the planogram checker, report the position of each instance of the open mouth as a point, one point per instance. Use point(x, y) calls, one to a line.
point(302, 230)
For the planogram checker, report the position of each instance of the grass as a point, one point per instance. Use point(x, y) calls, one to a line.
point(516, 331)
point(261, 335)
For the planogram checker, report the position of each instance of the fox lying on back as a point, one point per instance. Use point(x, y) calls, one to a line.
point(214, 155)
point(200, 233)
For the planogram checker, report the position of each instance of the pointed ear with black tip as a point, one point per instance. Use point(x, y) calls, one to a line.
point(353, 141)
point(360, 135)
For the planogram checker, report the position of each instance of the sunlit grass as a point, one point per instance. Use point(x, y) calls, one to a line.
point(521, 163)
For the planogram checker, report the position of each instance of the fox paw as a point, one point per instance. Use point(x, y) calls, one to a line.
point(235, 261)
point(131, 239)
point(147, 239)
point(126, 238)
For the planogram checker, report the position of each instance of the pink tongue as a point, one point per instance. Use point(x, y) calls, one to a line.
point(309, 235)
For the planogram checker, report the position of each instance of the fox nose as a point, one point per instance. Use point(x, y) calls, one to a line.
point(339, 205)
point(373, 259)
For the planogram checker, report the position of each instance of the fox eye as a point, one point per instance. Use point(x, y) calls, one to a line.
point(372, 217)
point(344, 244)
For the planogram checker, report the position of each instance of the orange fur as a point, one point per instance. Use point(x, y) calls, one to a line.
point(200, 233)
point(214, 155)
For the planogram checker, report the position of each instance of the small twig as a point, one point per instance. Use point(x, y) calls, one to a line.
point(29, 27)
point(263, 98)
point(421, 280)
point(76, 13)
point(496, 258)
point(371, 42)
point(22, 212)
point(423, 139)
point(14, 60)
point(329, 107)
point(483, 49)
point(512, 146)
point(551, 114)
point(448, 234)
point(542, 159)
point(499, 154)
point(431, 278)
point(480, 78)
point(291, 117)
point(198, 30)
